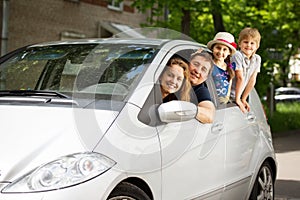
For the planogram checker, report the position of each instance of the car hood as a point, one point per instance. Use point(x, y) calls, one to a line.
point(31, 136)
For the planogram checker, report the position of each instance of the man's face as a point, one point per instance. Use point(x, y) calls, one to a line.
point(199, 69)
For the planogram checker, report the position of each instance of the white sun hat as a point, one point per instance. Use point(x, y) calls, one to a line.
point(224, 38)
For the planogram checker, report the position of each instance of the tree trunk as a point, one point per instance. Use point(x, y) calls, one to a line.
point(217, 16)
point(185, 22)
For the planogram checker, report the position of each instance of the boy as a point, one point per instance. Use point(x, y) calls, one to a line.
point(246, 64)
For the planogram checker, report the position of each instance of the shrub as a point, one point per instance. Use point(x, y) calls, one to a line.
point(285, 118)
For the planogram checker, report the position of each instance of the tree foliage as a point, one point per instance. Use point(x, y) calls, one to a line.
point(276, 20)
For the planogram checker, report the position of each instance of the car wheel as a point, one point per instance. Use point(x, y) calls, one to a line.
point(264, 184)
point(128, 191)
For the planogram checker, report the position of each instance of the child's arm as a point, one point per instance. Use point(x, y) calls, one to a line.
point(248, 89)
point(238, 89)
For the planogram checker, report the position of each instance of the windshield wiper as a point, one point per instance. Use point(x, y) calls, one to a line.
point(33, 93)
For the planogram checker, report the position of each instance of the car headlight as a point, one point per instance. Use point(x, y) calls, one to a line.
point(64, 172)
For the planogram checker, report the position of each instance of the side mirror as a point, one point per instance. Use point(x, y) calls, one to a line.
point(177, 111)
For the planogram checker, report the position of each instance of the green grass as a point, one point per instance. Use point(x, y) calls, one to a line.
point(285, 118)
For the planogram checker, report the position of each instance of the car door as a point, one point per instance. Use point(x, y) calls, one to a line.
point(192, 156)
point(241, 136)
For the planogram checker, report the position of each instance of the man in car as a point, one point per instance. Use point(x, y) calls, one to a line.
point(200, 66)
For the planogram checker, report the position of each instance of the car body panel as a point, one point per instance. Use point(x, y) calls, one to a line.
point(192, 143)
point(34, 140)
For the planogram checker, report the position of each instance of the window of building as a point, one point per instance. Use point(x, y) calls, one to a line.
point(115, 5)
point(70, 35)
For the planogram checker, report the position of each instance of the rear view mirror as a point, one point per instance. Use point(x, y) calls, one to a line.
point(177, 111)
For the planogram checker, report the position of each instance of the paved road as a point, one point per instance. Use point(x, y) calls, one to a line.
point(287, 148)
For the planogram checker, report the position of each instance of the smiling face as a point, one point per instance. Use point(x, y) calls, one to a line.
point(172, 79)
point(199, 69)
point(220, 52)
point(248, 46)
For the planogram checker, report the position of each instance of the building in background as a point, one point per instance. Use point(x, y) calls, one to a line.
point(27, 22)
point(295, 68)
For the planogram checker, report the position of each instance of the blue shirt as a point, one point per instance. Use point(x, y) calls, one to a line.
point(220, 78)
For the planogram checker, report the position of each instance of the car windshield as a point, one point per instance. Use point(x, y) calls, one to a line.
point(107, 71)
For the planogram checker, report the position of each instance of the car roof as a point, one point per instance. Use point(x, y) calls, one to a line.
point(280, 89)
point(145, 41)
point(106, 40)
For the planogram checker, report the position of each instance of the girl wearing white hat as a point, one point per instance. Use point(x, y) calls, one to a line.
point(222, 47)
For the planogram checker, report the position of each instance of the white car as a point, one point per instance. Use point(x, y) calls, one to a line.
point(84, 120)
point(287, 94)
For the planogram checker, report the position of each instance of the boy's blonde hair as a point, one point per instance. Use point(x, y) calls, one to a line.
point(250, 33)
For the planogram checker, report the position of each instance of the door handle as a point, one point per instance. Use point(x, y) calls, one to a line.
point(250, 117)
point(217, 127)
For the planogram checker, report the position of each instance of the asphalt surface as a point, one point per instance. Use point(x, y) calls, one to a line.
point(287, 148)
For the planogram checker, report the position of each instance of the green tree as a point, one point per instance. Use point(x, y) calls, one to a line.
point(276, 20)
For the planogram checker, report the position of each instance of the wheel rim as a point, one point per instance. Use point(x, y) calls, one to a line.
point(265, 184)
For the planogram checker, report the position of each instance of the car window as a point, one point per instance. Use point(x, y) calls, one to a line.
point(148, 114)
point(287, 91)
point(77, 69)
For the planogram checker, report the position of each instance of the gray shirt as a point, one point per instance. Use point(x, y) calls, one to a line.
point(248, 66)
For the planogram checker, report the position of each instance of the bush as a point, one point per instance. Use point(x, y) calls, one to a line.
point(285, 118)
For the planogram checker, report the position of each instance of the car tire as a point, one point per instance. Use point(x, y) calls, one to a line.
point(128, 191)
point(264, 184)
